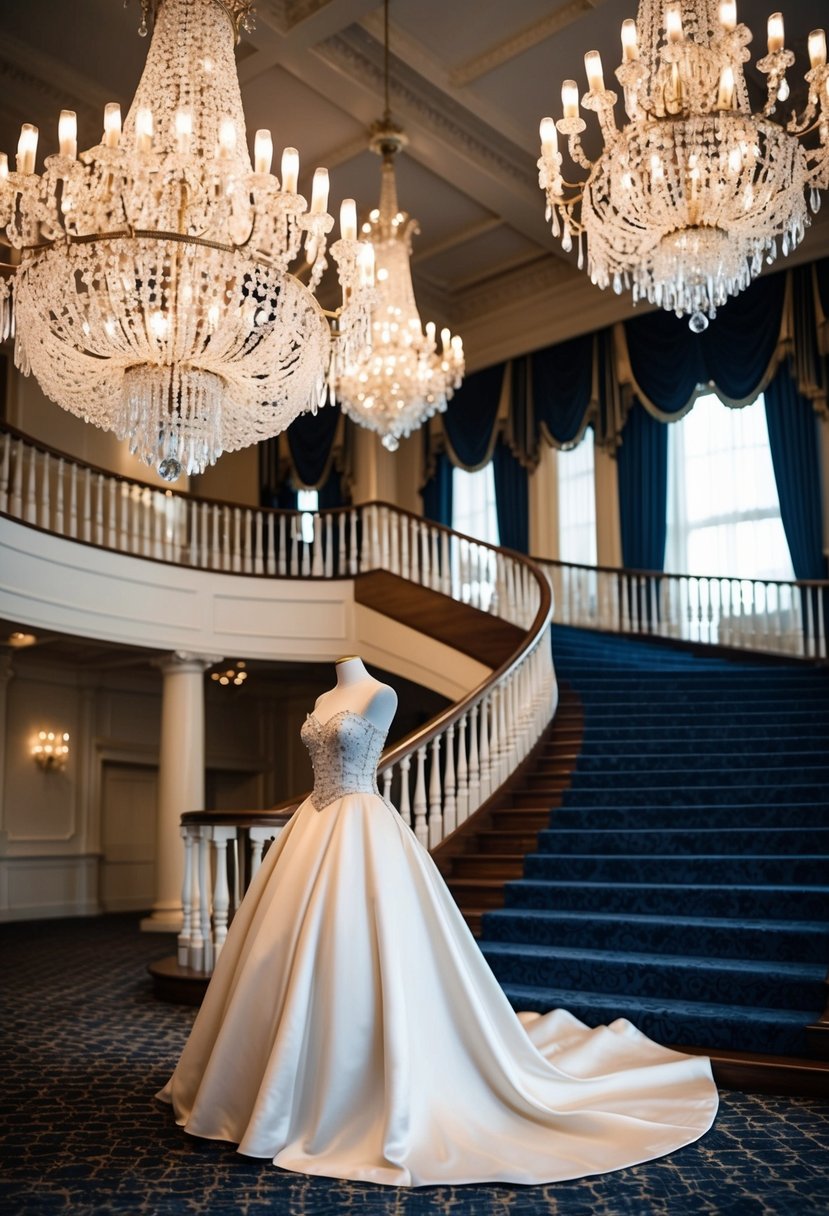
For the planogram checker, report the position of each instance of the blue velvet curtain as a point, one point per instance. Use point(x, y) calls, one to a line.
point(562, 382)
point(511, 499)
point(437, 493)
point(668, 361)
point(470, 419)
point(793, 438)
point(310, 439)
point(643, 490)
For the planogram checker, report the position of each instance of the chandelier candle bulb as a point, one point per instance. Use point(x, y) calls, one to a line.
point(445, 338)
point(630, 46)
point(570, 99)
point(549, 138)
point(348, 219)
point(112, 124)
point(68, 134)
point(817, 48)
point(365, 263)
point(725, 96)
point(144, 130)
point(184, 131)
point(673, 22)
point(290, 170)
point(227, 138)
point(728, 15)
point(27, 148)
point(776, 36)
point(263, 151)
point(4, 166)
point(593, 68)
point(319, 192)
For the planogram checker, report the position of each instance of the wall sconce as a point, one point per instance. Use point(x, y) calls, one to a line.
point(51, 751)
point(235, 675)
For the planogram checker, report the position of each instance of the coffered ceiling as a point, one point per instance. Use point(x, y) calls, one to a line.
point(470, 81)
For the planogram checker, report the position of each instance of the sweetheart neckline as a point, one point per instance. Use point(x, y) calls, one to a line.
point(342, 713)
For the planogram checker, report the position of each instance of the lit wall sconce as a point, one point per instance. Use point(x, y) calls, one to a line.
point(51, 750)
point(235, 675)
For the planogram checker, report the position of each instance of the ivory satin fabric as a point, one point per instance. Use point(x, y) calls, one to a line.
point(353, 1029)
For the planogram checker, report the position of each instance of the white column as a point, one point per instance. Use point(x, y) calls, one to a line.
point(608, 534)
point(180, 779)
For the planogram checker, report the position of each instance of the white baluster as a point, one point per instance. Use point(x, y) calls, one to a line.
point(435, 584)
point(353, 549)
point(420, 826)
point(394, 544)
point(59, 475)
point(342, 527)
point(112, 521)
point(43, 499)
point(270, 544)
point(475, 798)
point(435, 799)
point(99, 509)
point(403, 532)
point(147, 514)
point(295, 526)
point(17, 481)
point(445, 565)
point(387, 776)
point(186, 899)
point(236, 555)
point(463, 772)
point(249, 559)
point(329, 544)
point(30, 509)
point(385, 548)
point(404, 805)
point(425, 564)
point(196, 948)
point(282, 564)
point(226, 560)
point(158, 522)
point(258, 836)
point(204, 906)
point(318, 565)
point(193, 514)
point(221, 892)
point(415, 551)
point(484, 750)
point(449, 786)
point(306, 553)
point(5, 466)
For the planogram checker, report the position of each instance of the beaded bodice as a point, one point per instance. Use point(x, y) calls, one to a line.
point(344, 753)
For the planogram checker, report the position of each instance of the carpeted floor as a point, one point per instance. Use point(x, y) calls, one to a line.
point(85, 1046)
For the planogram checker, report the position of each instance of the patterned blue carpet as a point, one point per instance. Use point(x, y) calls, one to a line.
point(85, 1046)
point(684, 881)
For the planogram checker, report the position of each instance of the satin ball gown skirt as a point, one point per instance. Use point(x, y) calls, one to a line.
point(353, 1029)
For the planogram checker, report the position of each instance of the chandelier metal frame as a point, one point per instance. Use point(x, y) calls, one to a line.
point(692, 196)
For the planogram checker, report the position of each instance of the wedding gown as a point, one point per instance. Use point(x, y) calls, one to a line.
point(353, 1029)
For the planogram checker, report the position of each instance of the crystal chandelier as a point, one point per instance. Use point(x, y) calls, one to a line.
point(153, 296)
point(402, 379)
point(690, 198)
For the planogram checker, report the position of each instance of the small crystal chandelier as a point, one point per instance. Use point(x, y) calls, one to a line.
point(153, 296)
point(691, 196)
point(402, 379)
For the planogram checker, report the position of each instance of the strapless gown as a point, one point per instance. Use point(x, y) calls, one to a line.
point(353, 1029)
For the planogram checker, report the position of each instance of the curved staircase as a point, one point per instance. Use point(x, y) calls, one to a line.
point(679, 876)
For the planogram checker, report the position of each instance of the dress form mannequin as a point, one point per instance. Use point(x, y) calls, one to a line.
point(358, 692)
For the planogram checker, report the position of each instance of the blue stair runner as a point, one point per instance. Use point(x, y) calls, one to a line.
point(684, 881)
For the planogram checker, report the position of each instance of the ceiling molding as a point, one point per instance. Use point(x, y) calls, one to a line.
point(50, 84)
point(357, 54)
point(453, 239)
point(517, 44)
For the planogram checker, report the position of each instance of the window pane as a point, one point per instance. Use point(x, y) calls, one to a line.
point(723, 510)
point(577, 503)
point(473, 504)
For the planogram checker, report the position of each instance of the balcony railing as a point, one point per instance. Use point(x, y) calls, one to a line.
point(765, 615)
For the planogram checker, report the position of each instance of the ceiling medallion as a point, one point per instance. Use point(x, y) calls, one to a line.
point(694, 193)
point(153, 296)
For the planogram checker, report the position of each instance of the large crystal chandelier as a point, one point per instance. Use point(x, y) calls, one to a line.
point(402, 379)
point(689, 199)
point(153, 296)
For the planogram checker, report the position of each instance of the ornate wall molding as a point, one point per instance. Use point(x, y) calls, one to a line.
point(509, 48)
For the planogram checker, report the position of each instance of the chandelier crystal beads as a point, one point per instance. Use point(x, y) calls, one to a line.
point(153, 295)
point(695, 192)
point(403, 379)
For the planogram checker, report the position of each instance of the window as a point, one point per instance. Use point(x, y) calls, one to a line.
point(308, 502)
point(723, 509)
point(577, 503)
point(473, 504)
point(474, 513)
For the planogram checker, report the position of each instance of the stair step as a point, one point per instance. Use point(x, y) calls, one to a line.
point(794, 870)
point(521, 819)
point(694, 794)
point(754, 983)
point(773, 902)
point(488, 865)
point(477, 892)
point(669, 840)
point(695, 1023)
point(721, 937)
point(806, 815)
point(499, 840)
